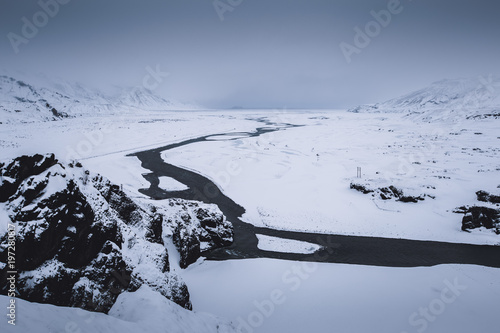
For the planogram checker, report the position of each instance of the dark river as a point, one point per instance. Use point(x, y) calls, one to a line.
point(335, 248)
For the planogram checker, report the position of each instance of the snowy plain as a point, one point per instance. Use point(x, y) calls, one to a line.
point(268, 296)
point(298, 179)
point(142, 311)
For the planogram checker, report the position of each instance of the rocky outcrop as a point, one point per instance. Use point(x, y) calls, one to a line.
point(486, 215)
point(20, 169)
point(360, 188)
point(487, 197)
point(477, 216)
point(81, 241)
point(388, 193)
point(197, 227)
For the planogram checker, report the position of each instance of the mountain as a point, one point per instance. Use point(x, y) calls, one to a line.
point(45, 100)
point(469, 97)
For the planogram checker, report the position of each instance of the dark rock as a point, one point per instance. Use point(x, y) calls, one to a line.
point(409, 198)
point(70, 240)
point(476, 217)
point(56, 289)
point(487, 197)
point(155, 229)
point(361, 188)
point(385, 197)
point(188, 245)
point(20, 169)
point(118, 200)
point(390, 192)
point(198, 227)
point(461, 210)
point(397, 192)
point(180, 296)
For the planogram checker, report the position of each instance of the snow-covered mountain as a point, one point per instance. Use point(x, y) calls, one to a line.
point(38, 100)
point(458, 97)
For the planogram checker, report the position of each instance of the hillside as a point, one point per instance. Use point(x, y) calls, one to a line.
point(23, 101)
point(446, 98)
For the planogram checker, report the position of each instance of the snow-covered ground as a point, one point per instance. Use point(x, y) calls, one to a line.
point(134, 312)
point(298, 178)
point(102, 142)
point(170, 184)
point(276, 244)
point(266, 295)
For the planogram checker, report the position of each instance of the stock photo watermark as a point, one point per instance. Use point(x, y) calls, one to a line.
point(223, 6)
point(292, 279)
point(363, 36)
point(123, 278)
point(407, 165)
point(424, 316)
point(154, 78)
point(234, 167)
point(11, 273)
point(31, 27)
point(93, 139)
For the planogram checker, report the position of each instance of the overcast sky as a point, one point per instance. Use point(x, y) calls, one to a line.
point(256, 53)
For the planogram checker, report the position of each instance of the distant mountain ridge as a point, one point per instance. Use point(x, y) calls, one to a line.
point(473, 96)
point(23, 101)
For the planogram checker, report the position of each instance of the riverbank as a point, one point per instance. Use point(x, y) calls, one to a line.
point(334, 248)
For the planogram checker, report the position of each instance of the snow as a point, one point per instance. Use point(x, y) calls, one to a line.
point(7, 179)
point(57, 183)
point(294, 179)
point(276, 244)
point(4, 219)
point(298, 179)
point(36, 99)
point(49, 268)
point(149, 310)
point(285, 296)
point(170, 184)
point(141, 311)
point(446, 99)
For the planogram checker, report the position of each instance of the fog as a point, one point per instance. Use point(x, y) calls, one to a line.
point(255, 53)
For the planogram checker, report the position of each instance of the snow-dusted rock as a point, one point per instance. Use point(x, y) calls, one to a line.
point(478, 216)
point(486, 215)
point(81, 241)
point(388, 192)
point(197, 227)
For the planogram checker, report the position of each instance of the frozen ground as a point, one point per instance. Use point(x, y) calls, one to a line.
point(266, 295)
point(298, 179)
point(170, 184)
point(142, 311)
point(276, 244)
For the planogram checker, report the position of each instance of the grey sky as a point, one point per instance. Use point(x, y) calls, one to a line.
point(265, 53)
